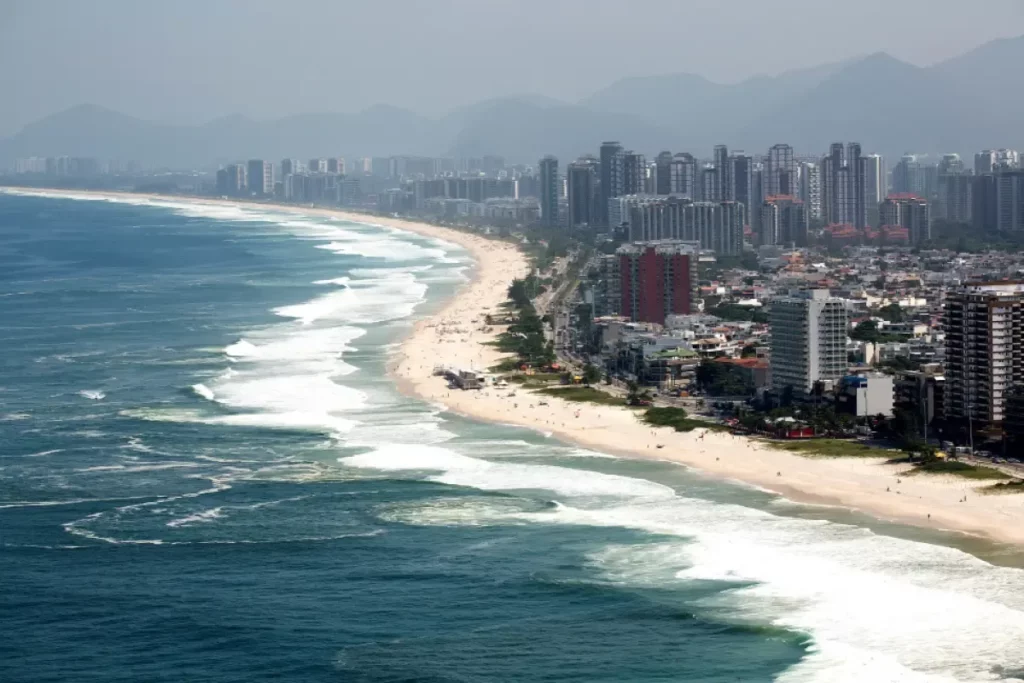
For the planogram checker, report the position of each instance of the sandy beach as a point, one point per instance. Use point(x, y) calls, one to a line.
point(455, 337)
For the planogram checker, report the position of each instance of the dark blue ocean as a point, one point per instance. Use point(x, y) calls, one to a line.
point(206, 475)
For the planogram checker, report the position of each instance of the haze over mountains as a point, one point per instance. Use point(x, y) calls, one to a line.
point(964, 104)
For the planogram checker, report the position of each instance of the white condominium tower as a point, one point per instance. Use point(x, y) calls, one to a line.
point(808, 344)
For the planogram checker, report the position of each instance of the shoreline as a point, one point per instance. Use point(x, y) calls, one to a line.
point(451, 337)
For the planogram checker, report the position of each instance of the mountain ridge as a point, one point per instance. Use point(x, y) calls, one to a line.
point(962, 104)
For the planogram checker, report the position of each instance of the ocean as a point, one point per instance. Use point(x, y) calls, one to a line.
point(207, 475)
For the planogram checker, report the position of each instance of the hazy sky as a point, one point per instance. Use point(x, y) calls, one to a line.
point(191, 60)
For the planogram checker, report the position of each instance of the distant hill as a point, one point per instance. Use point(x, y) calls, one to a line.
point(961, 105)
point(88, 130)
point(522, 130)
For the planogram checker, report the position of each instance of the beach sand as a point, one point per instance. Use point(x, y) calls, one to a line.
point(454, 337)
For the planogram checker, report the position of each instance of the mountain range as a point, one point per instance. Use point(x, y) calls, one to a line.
point(963, 104)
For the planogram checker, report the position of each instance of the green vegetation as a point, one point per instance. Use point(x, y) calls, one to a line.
point(505, 365)
point(904, 428)
point(1003, 487)
point(678, 420)
point(543, 249)
point(591, 374)
point(534, 381)
point(868, 331)
point(892, 313)
point(746, 261)
point(963, 237)
point(960, 469)
point(522, 291)
point(724, 379)
point(638, 396)
point(582, 395)
point(900, 364)
point(525, 336)
point(737, 313)
point(829, 448)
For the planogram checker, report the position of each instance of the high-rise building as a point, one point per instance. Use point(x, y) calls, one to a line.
point(873, 171)
point(908, 211)
point(843, 181)
point(808, 340)
point(683, 170)
point(956, 197)
point(582, 188)
point(363, 166)
point(649, 218)
point(632, 170)
point(741, 167)
point(721, 188)
point(783, 222)
point(780, 176)
point(1009, 201)
point(381, 168)
point(725, 236)
point(717, 226)
point(663, 173)
point(984, 162)
point(611, 183)
point(30, 165)
point(708, 178)
point(336, 165)
point(260, 176)
point(835, 186)
point(756, 197)
point(493, 165)
point(992, 160)
point(950, 163)
point(984, 350)
point(549, 186)
point(810, 190)
point(656, 280)
point(289, 166)
point(317, 166)
point(857, 194)
point(983, 202)
point(909, 176)
point(232, 180)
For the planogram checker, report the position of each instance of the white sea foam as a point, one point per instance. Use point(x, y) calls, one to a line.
point(420, 432)
point(143, 467)
point(377, 273)
point(92, 394)
point(461, 470)
point(203, 391)
point(43, 454)
point(878, 608)
point(385, 247)
point(203, 517)
point(284, 394)
point(362, 301)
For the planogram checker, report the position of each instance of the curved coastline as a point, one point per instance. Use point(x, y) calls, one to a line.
point(451, 337)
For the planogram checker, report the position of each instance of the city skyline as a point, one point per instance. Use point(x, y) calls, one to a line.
point(777, 198)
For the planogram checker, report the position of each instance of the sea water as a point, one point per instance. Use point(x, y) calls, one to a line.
point(207, 475)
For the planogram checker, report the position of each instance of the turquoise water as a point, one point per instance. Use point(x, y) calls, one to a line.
point(205, 474)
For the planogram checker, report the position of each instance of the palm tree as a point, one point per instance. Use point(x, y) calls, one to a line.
point(591, 374)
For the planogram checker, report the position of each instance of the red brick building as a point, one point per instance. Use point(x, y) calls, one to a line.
point(657, 280)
